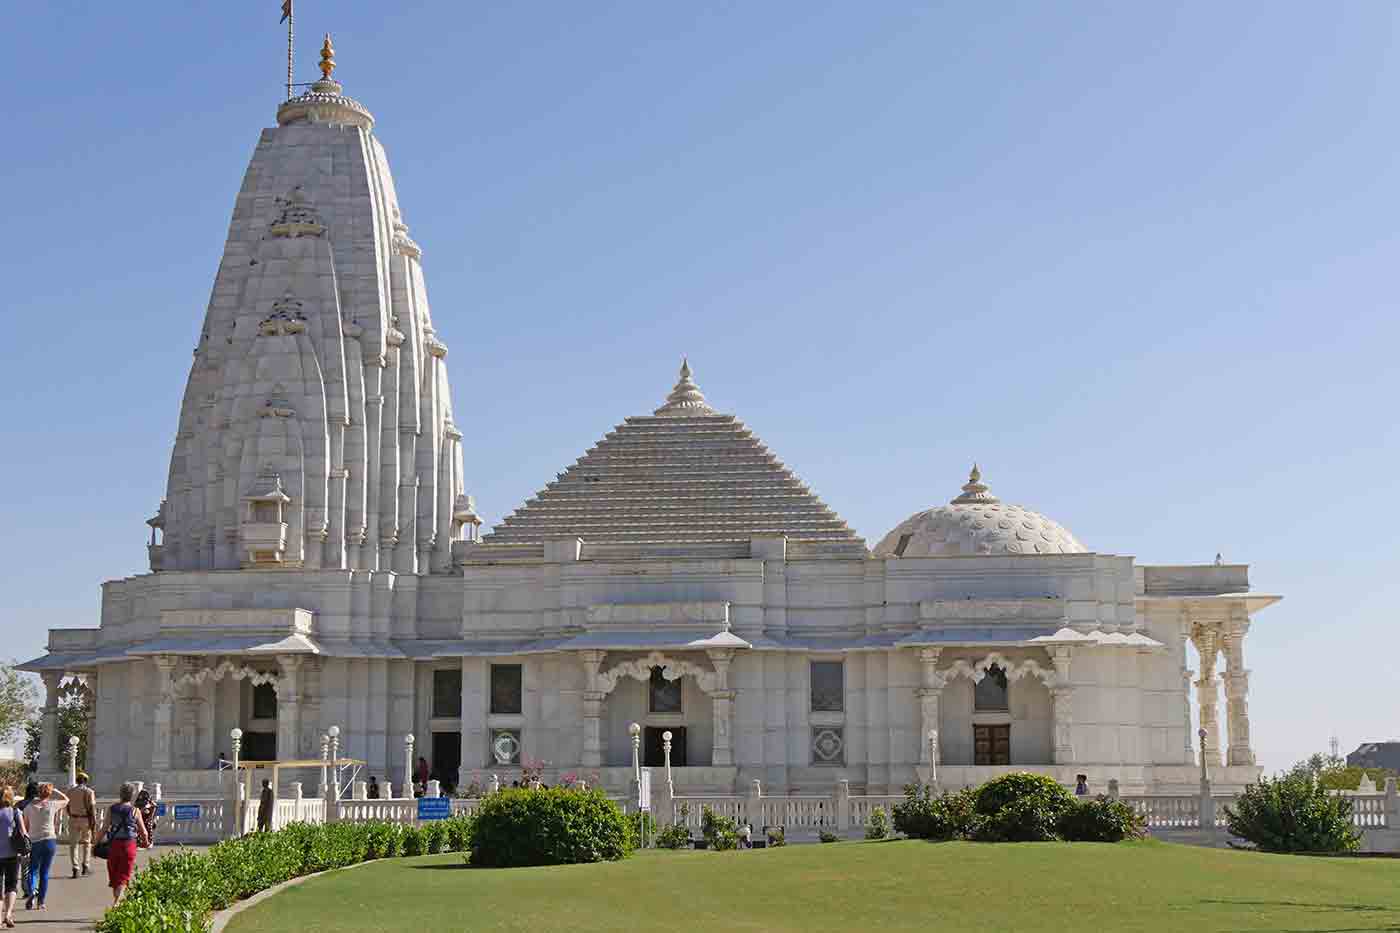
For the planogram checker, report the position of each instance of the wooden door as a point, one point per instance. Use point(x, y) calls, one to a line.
point(991, 745)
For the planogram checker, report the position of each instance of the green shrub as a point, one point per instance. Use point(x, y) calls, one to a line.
point(720, 832)
point(1293, 813)
point(459, 832)
point(434, 837)
point(674, 836)
point(384, 840)
point(827, 835)
point(924, 816)
point(777, 837)
point(879, 825)
point(554, 826)
point(640, 825)
point(1020, 807)
point(414, 842)
point(1101, 820)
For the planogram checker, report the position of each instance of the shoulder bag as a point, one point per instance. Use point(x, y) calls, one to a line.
point(19, 840)
point(104, 848)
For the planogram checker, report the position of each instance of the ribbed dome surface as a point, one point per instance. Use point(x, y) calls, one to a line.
point(977, 523)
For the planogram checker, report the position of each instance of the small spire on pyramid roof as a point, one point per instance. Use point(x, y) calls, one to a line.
point(975, 491)
point(686, 398)
point(327, 65)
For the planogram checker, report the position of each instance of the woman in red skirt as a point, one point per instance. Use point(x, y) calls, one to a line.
point(125, 829)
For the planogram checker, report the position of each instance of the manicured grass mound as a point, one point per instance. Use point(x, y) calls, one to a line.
point(1136, 887)
point(554, 826)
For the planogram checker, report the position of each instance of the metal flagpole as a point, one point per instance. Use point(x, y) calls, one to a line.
point(287, 15)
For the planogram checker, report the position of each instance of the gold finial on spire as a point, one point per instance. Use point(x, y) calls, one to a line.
point(327, 58)
point(975, 491)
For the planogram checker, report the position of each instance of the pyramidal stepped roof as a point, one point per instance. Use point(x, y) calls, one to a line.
point(684, 474)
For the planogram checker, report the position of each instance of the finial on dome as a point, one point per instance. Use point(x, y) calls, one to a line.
point(327, 58)
point(975, 491)
point(686, 398)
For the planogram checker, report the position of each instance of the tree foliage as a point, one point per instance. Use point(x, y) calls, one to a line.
point(72, 720)
point(18, 699)
point(1293, 813)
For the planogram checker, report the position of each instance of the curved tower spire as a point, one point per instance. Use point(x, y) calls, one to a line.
point(316, 427)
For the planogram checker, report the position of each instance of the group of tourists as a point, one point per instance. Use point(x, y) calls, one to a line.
point(29, 839)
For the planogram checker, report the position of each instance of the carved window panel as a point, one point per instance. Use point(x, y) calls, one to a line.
point(664, 695)
point(507, 689)
point(447, 693)
point(828, 686)
point(506, 745)
point(829, 745)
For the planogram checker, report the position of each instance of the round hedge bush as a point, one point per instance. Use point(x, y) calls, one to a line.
point(1021, 807)
point(554, 826)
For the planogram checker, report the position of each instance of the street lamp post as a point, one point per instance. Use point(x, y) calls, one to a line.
point(408, 764)
point(72, 761)
point(1205, 777)
point(666, 752)
point(325, 758)
point(236, 734)
point(334, 733)
point(932, 758)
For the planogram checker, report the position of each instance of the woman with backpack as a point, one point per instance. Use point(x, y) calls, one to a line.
point(13, 844)
point(125, 829)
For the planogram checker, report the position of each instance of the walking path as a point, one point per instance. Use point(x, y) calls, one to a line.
point(75, 904)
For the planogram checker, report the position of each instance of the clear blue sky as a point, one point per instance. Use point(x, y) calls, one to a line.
point(1140, 260)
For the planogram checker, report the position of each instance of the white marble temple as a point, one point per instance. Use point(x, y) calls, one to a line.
point(315, 562)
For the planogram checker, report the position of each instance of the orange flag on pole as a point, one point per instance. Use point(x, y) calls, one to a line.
point(286, 11)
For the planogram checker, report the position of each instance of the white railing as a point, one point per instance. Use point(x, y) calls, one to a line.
point(861, 808)
point(796, 813)
point(1368, 811)
point(1167, 812)
point(390, 811)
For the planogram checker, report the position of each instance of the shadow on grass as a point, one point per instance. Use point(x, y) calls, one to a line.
point(1303, 904)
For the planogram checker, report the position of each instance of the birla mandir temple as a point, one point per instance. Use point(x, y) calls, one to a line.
point(316, 562)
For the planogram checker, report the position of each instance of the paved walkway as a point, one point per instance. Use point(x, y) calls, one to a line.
point(75, 904)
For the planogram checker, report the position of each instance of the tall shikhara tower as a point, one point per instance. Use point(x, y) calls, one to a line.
point(316, 427)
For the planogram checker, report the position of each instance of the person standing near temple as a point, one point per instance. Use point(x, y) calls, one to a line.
point(82, 819)
point(372, 791)
point(125, 829)
point(26, 876)
point(41, 823)
point(266, 803)
point(9, 857)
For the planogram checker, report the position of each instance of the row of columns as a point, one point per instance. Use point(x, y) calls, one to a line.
point(1211, 641)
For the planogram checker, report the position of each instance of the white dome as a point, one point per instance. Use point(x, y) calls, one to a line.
point(974, 523)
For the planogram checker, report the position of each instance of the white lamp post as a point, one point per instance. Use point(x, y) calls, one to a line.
point(933, 758)
point(334, 733)
point(72, 760)
point(635, 731)
point(666, 754)
point(325, 757)
point(408, 765)
point(236, 734)
point(1205, 778)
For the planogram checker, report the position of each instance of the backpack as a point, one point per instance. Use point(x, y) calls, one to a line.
point(19, 840)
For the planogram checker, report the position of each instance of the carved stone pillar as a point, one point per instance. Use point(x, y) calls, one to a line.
point(90, 722)
point(310, 693)
point(165, 712)
point(48, 736)
point(1208, 690)
point(722, 753)
point(930, 695)
point(1062, 699)
point(289, 706)
point(1189, 746)
point(594, 695)
point(1237, 692)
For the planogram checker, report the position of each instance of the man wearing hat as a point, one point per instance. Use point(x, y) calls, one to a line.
point(82, 817)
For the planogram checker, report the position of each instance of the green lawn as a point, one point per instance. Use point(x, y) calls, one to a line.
point(850, 886)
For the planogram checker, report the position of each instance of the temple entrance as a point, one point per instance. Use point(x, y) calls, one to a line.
point(991, 745)
point(653, 756)
point(259, 746)
point(447, 756)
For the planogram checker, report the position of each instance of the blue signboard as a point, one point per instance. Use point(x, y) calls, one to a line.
point(434, 808)
point(160, 809)
point(186, 811)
